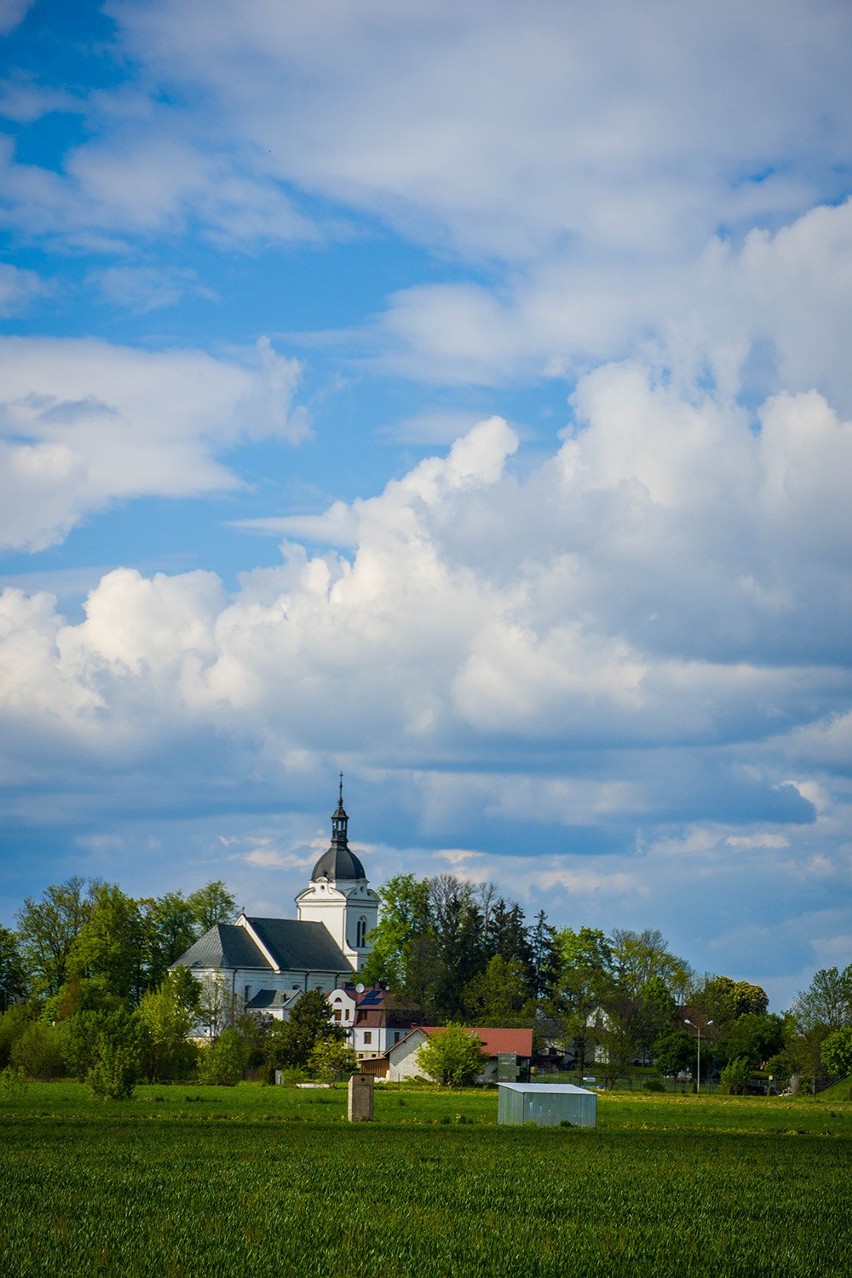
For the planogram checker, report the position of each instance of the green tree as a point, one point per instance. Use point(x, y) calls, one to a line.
point(47, 930)
point(114, 1070)
point(109, 949)
point(40, 1051)
point(331, 1060)
point(13, 981)
point(673, 1051)
point(457, 927)
point(171, 925)
point(752, 1037)
point(585, 984)
point(166, 1020)
point(295, 1039)
point(836, 1052)
point(404, 916)
point(452, 1056)
point(545, 957)
point(825, 1006)
point(224, 1062)
point(640, 956)
point(212, 904)
point(722, 1000)
point(500, 995)
point(12, 1025)
point(735, 1076)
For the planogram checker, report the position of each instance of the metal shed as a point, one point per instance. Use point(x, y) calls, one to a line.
point(546, 1104)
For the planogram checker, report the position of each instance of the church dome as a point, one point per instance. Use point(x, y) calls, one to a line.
point(339, 863)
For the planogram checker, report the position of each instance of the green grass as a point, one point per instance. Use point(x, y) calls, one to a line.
point(275, 1181)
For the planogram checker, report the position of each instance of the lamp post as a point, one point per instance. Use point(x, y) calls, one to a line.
point(687, 1021)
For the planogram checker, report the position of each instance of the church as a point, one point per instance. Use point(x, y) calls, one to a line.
point(269, 963)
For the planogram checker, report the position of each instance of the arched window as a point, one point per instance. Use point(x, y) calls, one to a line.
point(361, 933)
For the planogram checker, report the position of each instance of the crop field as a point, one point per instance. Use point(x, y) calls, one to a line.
point(253, 1180)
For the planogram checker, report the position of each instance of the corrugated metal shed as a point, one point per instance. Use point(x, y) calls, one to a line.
point(546, 1104)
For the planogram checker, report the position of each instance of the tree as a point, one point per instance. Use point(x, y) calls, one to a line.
point(752, 1037)
point(404, 916)
point(13, 981)
point(47, 930)
point(616, 1039)
point(452, 1056)
point(836, 1052)
point(166, 1019)
point(500, 995)
point(722, 1000)
point(40, 1051)
point(171, 926)
point(584, 984)
point(735, 1076)
point(110, 947)
point(212, 904)
point(12, 1026)
point(545, 956)
point(826, 1004)
point(456, 924)
point(673, 1051)
point(294, 1040)
point(224, 1062)
point(639, 956)
point(331, 1059)
point(216, 1007)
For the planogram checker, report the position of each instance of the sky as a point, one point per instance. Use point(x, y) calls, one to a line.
point(455, 395)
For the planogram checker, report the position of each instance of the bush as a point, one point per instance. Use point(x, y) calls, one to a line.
point(224, 1062)
point(452, 1056)
point(113, 1074)
point(654, 1085)
point(735, 1076)
point(40, 1051)
point(12, 1082)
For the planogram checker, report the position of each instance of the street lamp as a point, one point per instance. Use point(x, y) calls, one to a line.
point(687, 1021)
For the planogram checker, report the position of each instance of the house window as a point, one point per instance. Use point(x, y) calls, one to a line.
point(368, 1036)
point(396, 1036)
point(361, 933)
point(337, 1013)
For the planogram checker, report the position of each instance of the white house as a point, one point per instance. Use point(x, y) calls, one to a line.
point(266, 964)
point(402, 1056)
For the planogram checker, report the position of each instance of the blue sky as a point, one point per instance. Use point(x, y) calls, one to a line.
point(457, 395)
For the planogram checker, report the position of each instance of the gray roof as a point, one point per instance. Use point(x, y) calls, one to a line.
point(273, 998)
point(293, 944)
point(300, 946)
point(338, 863)
point(224, 946)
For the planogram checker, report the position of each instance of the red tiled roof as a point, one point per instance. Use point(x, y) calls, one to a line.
point(494, 1041)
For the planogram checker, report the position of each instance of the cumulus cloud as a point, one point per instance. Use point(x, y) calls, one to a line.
point(85, 423)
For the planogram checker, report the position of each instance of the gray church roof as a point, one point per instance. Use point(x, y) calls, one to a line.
point(300, 946)
point(295, 945)
point(225, 946)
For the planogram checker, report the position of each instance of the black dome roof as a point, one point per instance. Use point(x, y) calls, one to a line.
point(338, 862)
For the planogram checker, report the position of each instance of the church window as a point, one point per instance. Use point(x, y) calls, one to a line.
point(361, 935)
point(247, 993)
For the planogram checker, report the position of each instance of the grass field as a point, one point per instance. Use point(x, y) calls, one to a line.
point(185, 1180)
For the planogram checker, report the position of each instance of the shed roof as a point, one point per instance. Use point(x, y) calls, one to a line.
point(548, 1088)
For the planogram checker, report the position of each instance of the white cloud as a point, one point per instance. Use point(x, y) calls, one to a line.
point(18, 288)
point(142, 289)
point(87, 423)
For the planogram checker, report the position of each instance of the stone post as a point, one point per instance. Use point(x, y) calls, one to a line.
point(360, 1097)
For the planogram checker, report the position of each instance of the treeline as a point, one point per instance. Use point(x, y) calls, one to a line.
point(460, 952)
point(85, 990)
point(86, 993)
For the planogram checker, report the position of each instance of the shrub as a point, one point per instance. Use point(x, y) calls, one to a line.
point(12, 1082)
point(113, 1074)
point(224, 1062)
point(40, 1051)
point(735, 1076)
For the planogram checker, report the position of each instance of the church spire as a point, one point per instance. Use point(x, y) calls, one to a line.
point(340, 823)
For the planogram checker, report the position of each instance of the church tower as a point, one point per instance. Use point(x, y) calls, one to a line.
point(338, 895)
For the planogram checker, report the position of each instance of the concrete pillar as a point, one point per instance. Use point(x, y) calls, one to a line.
point(360, 1097)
